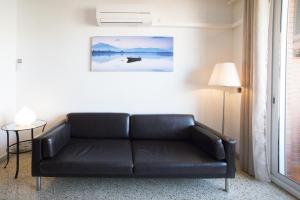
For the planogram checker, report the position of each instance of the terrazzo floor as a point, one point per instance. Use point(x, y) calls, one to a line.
point(242, 187)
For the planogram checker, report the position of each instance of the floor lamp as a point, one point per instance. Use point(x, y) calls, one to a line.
point(225, 75)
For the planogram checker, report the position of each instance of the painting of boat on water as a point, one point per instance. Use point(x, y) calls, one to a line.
point(132, 53)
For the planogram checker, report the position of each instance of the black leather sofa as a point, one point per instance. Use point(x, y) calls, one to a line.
point(123, 145)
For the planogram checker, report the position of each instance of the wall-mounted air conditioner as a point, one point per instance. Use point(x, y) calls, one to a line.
point(123, 14)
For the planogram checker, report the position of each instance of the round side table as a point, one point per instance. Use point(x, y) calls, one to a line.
point(12, 127)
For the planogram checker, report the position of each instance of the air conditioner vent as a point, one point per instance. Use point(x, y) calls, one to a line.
point(125, 14)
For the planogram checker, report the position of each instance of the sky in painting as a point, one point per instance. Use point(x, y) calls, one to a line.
point(127, 42)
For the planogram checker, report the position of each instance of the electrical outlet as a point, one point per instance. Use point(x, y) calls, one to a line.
point(19, 61)
point(19, 64)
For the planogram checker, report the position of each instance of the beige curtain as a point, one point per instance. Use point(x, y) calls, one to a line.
point(254, 155)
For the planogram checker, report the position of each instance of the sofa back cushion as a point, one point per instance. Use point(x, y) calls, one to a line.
point(169, 126)
point(99, 125)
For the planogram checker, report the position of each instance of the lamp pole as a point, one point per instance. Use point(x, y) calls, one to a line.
point(223, 117)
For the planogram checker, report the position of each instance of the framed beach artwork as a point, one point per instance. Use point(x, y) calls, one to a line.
point(132, 53)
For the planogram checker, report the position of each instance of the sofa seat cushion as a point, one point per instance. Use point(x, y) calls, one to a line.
point(91, 157)
point(174, 159)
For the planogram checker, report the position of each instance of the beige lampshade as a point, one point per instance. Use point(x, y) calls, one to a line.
point(225, 74)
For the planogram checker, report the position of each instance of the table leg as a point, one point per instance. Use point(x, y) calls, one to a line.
point(17, 153)
point(32, 134)
point(44, 127)
point(7, 148)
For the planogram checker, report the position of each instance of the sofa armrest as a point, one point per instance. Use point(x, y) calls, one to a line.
point(54, 140)
point(36, 156)
point(229, 147)
point(208, 142)
point(48, 145)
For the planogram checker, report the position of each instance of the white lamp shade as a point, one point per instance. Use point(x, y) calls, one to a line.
point(225, 74)
point(25, 117)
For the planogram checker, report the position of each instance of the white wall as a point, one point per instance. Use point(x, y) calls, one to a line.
point(55, 78)
point(54, 42)
point(7, 65)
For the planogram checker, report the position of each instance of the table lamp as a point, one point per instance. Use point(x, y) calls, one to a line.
point(225, 75)
point(25, 117)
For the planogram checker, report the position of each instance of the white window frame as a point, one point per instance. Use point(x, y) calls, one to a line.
point(278, 102)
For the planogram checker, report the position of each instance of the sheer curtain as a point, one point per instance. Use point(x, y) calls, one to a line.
point(254, 152)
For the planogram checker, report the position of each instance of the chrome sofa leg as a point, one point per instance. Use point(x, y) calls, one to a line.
point(38, 183)
point(227, 184)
